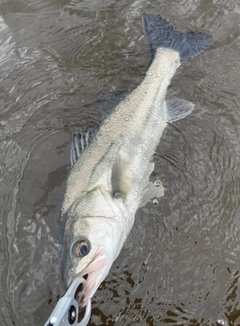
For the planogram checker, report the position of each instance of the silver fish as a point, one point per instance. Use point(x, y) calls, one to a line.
point(111, 167)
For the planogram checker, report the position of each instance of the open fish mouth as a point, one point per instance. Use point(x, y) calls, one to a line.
point(94, 274)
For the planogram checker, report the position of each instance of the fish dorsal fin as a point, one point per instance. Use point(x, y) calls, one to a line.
point(120, 178)
point(108, 101)
point(81, 139)
point(177, 109)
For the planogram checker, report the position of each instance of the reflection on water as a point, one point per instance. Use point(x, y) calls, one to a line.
point(180, 266)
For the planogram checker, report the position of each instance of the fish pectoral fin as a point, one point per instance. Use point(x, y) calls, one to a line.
point(108, 101)
point(120, 178)
point(177, 109)
point(81, 139)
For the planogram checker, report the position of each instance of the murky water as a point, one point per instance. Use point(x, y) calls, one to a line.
point(180, 265)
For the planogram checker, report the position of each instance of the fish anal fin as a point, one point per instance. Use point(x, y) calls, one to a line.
point(81, 139)
point(177, 109)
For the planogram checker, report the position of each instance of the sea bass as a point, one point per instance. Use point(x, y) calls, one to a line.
point(112, 166)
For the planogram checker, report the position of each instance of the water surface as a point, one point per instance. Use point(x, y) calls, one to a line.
point(180, 265)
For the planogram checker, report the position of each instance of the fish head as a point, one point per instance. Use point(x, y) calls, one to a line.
point(93, 238)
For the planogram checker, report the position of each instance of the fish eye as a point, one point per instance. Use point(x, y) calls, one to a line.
point(81, 248)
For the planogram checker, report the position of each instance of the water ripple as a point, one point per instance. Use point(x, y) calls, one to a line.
point(180, 263)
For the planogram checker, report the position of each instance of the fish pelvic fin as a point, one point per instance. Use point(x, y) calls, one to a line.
point(81, 139)
point(120, 178)
point(177, 109)
point(161, 35)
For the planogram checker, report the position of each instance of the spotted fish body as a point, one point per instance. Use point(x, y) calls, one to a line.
point(111, 172)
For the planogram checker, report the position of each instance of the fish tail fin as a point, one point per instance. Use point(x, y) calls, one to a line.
point(160, 34)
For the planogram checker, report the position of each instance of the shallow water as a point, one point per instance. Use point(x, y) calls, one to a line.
point(180, 265)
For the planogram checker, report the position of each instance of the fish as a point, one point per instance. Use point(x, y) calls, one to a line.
point(111, 164)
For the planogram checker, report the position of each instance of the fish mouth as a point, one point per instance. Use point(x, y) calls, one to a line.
point(94, 274)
